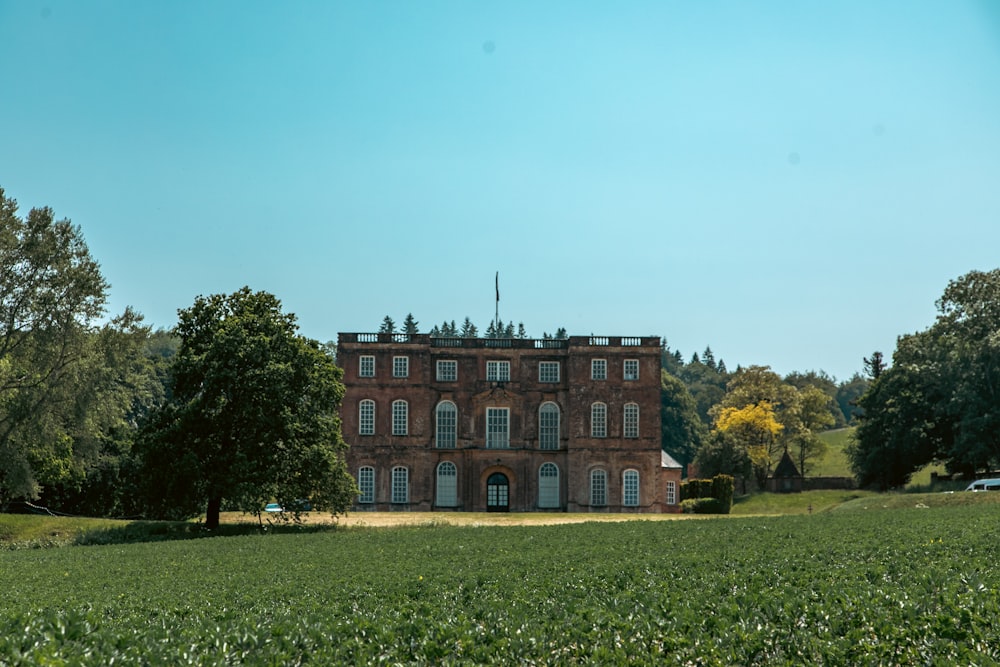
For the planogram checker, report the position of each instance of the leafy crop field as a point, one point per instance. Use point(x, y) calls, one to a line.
point(872, 586)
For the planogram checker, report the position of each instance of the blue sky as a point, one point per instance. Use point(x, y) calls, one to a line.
point(791, 183)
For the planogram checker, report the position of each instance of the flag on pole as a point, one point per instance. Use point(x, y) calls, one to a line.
point(498, 286)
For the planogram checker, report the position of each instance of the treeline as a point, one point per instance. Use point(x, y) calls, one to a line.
point(741, 422)
point(102, 416)
point(466, 330)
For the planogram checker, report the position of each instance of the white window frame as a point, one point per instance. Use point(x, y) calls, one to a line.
point(598, 369)
point(498, 428)
point(366, 484)
point(548, 432)
point(630, 421)
point(498, 371)
point(447, 485)
point(598, 420)
point(548, 371)
point(400, 367)
point(548, 486)
point(630, 488)
point(630, 369)
point(400, 417)
point(400, 485)
point(445, 425)
point(598, 488)
point(366, 366)
point(447, 370)
point(366, 422)
point(671, 492)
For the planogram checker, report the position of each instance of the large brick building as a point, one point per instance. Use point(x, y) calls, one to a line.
point(475, 424)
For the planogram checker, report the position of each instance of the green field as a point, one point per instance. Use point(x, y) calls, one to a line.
point(863, 584)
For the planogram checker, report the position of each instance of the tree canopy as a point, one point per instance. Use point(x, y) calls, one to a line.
point(252, 417)
point(939, 399)
point(64, 375)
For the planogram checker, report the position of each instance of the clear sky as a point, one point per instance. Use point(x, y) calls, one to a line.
point(791, 183)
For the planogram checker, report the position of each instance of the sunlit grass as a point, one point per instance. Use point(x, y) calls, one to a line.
point(794, 503)
point(835, 462)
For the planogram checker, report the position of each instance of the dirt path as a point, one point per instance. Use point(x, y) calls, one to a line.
point(390, 519)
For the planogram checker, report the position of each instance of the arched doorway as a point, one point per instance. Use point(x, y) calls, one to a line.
point(497, 493)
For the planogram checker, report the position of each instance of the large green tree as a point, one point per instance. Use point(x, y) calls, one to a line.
point(682, 428)
point(252, 416)
point(938, 400)
point(63, 369)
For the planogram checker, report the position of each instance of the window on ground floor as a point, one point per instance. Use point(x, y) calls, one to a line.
point(447, 484)
point(598, 488)
point(366, 484)
point(400, 485)
point(630, 488)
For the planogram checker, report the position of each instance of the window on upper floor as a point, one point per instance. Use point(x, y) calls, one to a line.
point(366, 417)
point(630, 488)
point(447, 422)
point(400, 418)
point(630, 425)
point(366, 484)
point(631, 369)
point(447, 371)
point(497, 371)
point(548, 426)
point(548, 371)
point(497, 428)
point(598, 369)
point(598, 420)
point(400, 367)
point(366, 366)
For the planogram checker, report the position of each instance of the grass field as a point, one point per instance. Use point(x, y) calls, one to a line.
point(835, 462)
point(866, 583)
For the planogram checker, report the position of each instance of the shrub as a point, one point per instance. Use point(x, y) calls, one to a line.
point(723, 488)
point(702, 506)
point(696, 488)
point(720, 488)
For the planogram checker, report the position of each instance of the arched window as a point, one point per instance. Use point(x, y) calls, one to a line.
point(598, 420)
point(598, 488)
point(366, 417)
point(548, 486)
point(447, 422)
point(548, 426)
point(630, 428)
point(447, 484)
point(400, 485)
point(366, 484)
point(400, 418)
point(630, 488)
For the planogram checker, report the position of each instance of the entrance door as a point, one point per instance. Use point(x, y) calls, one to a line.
point(497, 493)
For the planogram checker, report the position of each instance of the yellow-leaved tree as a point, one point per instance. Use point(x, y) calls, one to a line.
point(756, 429)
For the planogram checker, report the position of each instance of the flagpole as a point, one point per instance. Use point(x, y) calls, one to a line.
point(496, 316)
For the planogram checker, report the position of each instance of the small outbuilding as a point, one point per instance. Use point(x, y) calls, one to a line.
point(786, 477)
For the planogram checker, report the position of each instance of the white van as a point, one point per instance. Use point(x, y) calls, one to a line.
point(984, 485)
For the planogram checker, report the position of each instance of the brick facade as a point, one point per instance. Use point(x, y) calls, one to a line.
point(523, 439)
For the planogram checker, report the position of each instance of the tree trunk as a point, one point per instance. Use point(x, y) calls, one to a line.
point(212, 513)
